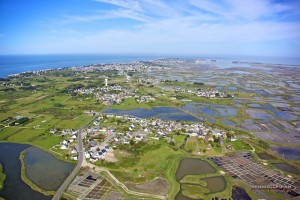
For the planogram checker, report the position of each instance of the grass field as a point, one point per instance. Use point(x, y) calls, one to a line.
point(148, 162)
point(25, 135)
point(7, 132)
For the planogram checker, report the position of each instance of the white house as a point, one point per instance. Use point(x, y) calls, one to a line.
point(74, 150)
point(74, 137)
point(87, 155)
point(64, 146)
point(74, 157)
point(138, 138)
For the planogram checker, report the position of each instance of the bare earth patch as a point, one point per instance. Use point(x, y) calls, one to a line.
point(159, 187)
point(41, 97)
point(110, 157)
point(113, 196)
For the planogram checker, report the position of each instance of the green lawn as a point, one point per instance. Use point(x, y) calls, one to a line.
point(240, 145)
point(129, 104)
point(47, 141)
point(178, 139)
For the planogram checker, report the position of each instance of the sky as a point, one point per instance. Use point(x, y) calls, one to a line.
point(188, 27)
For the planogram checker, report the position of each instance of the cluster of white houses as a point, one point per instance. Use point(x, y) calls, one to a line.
point(121, 68)
point(144, 129)
point(137, 130)
point(204, 93)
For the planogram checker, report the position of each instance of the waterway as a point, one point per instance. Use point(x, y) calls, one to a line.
point(14, 187)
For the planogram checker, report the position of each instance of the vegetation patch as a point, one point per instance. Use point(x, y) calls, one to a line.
point(2, 177)
point(194, 179)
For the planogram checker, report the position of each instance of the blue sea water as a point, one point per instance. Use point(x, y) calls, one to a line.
point(12, 64)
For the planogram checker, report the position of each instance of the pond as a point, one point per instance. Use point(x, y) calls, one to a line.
point(215, 183)
point(228, 122)
point(166, 113)
point(265, 156)
point(255, 105)
point(191, 108)
point(285, 115)
point(208, 111)
point(225, 111)
point(239, 194)
point(262, 92)
point(238, 101)
point(286, 168)
point(9, 157)
point(289, 153)
point(45, 170)
point(219, 87)
point(294, 85)
point(193, 166)
point(259, 114)
point(232, 88)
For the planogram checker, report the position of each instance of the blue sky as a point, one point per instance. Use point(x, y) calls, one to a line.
point(223, 27)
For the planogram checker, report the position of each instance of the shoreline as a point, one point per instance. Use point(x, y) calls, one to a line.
point(44, 67)
point(2, 177)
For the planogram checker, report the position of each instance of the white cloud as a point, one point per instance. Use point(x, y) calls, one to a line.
point(180, 26)
point(129, 4)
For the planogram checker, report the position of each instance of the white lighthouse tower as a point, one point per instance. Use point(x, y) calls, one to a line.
point(106, 82)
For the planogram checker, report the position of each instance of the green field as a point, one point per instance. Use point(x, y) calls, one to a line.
point(147, 162)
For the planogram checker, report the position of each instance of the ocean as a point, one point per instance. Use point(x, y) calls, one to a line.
point(12, 64)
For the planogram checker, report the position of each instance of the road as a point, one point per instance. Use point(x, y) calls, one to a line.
point(81, 158)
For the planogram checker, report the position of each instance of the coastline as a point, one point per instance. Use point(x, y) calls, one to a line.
point(18, 64)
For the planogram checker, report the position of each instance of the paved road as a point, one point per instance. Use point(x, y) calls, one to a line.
point(81, 158)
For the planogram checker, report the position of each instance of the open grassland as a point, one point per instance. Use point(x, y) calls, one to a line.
point(7, 132)
point(198, 146)
point(25, 135)
point(146, 162)
point(131, 103)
